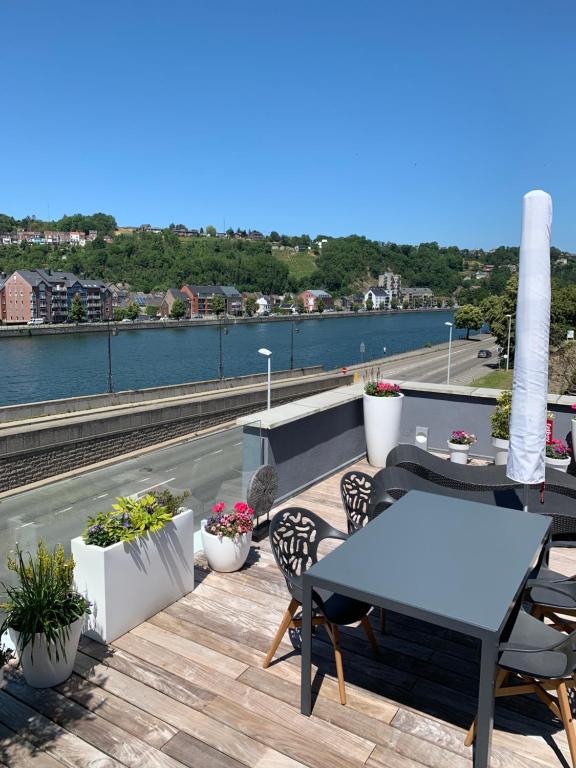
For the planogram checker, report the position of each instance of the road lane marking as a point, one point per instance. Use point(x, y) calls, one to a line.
point(25, 525)
point(157, 484)
point(102, 496)
point(172, 469)
point(64, 510)
point(215, 452)
point(240, 443)
point(143, 479)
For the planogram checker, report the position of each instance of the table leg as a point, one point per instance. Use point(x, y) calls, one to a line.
point(485, 722)
point(306, 637)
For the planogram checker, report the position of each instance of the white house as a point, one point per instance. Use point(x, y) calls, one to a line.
point(263, 305)
point(381, 297)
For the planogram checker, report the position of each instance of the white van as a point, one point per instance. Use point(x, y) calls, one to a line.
point(36, 321)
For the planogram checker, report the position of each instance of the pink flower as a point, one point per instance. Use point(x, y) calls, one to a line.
point(219, 507)
point(241, 506)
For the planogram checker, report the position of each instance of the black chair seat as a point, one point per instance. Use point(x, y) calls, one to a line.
point(559, 595)
point(533, 635)
point(339, 609)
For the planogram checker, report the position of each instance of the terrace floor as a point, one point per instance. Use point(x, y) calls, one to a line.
point(187, 688)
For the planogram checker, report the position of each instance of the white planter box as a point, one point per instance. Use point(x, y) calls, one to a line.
point(458, 453)
point(559, 464)
point(129, 582)
point(502, 447)
point(44, 670)
point(382, 417)
point(223, 554)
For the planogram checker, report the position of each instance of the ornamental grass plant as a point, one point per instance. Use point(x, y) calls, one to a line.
point(44, 601)
point(500, 418)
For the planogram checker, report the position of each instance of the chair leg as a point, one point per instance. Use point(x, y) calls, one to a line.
point(567, 719)
point(501, 676)
point(284, 624)
point(370, 634)
point(382, 620)
point(335, 636)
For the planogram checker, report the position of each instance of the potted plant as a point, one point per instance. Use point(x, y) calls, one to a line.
point(558, 455)
point(501, 427)
point(573, 425)
point(459, 446)
point(133, 561)
point(5, 656)
point(226, 536)
point(382, 414)
point(43, 614)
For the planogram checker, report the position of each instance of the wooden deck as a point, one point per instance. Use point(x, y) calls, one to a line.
point(187, 688)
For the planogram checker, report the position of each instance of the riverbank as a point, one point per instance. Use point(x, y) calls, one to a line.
point(15, 331)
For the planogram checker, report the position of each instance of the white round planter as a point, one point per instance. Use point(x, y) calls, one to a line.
point(42, 670)
point(560, 464)
point(458, 453)
point(501, 450)
point(382, 416)
point(573, 434)
point(225, 554)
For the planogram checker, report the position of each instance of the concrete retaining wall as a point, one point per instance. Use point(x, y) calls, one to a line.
point(23, 411)
point(34, 452)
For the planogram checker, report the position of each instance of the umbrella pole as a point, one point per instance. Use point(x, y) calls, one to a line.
point(525, 494)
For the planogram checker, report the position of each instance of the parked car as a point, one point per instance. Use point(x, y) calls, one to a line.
point(36, 321)
point(484, 353)
point(126, 320)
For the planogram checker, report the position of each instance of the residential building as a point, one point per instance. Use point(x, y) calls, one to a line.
point(202, 296)
point(263, 305)
point(392, 283)
point(172, 295)
point(46, 294)
point(381, 298)
point(418, 296)
point(232, 299)
point(312, 297)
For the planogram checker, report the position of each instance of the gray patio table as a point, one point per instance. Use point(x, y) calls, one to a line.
point(453, 563)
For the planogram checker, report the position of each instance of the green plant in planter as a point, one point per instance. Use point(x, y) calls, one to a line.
point(130, 518)
point(500, 418)
point(44, 601)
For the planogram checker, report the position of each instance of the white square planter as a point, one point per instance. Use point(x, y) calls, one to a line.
point(128, 582)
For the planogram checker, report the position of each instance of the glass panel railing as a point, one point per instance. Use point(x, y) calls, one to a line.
point(213, 467)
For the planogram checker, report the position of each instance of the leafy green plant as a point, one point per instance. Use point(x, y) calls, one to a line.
point(130, 518)
point(500, 418)
point(44, 601)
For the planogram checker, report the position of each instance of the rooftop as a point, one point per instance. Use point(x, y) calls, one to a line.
point(187, 688)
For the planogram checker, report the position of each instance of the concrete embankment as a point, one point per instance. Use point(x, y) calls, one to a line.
point(40, 448)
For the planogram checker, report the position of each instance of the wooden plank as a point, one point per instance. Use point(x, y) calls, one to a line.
point(44, 734)
point(261, 704)
point(191, 752)
point(18, 752)
point(92, 729)
point(245, 750)
point(128, 716)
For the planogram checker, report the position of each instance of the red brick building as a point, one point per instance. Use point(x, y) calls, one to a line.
point(312, 297)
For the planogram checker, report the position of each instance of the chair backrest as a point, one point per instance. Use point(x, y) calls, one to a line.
point(262, 490)
point(295, 534)
point(357, 491)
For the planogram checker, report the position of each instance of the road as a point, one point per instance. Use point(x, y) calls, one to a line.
point(210, 467)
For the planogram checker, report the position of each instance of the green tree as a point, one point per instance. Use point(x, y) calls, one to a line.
point(151, 311)
point(77, 310)
point(132, 311)
point(211, 230)
point(300, 305)
point(119, 315)
point(369, 304)
point(178, 310)
point(218, 305)
point(250, 306)
point(320, 306)
point(394, 304)
point(469, 317)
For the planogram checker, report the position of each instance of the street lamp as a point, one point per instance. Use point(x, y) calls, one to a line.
point(266, 353)
point(111, 332)
point(220, 329)
point(449, 352)
point(294, 330)
point(508, 349)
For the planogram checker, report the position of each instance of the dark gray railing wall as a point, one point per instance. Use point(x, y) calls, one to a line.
point(317, 445)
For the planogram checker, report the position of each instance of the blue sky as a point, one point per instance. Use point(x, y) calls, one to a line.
point(408, 121)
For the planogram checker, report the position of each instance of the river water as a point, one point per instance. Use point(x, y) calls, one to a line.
point(49, 367)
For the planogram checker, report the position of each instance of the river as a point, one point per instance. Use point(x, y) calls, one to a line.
point(49, 367)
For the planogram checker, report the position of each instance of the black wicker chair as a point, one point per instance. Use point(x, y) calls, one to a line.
point(295, 534)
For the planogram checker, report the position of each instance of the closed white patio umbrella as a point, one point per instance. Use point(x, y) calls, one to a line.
point(526, 457)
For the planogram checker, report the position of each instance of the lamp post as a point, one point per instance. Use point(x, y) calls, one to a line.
point(449, 352)
point(293, 331)
point(508, 348)
point(220, 329)
point(111, 332)
point(266, 353)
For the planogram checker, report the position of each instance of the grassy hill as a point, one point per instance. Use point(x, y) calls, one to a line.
point(300, 265)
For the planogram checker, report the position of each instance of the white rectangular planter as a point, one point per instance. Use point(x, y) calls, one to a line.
point(128, 582)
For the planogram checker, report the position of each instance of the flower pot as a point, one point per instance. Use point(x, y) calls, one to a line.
point(573, 422)
point(560, 464)
point(128, 582)
point(501, 450)
point(382, 417)
point(458, 452)
point(42, 670)
point(225, 554)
